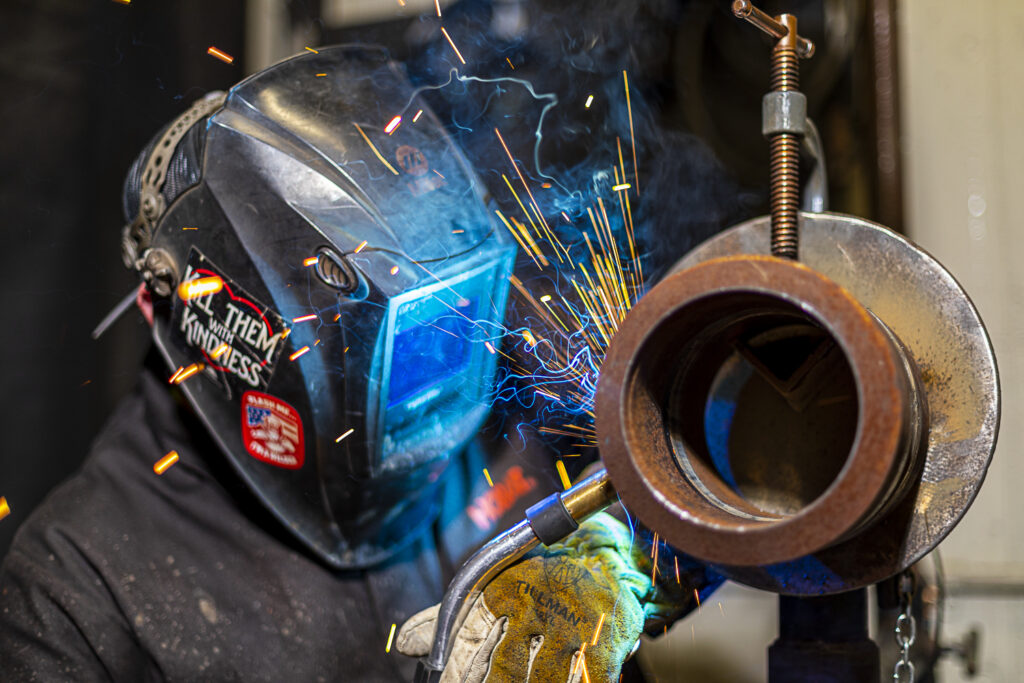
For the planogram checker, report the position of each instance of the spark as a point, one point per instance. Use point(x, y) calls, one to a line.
point(458, 232)
point(5, 509)
point(677, 570)
point(304, 318)
point(696, 597)
point(452, 43)
point(375, 151)
point(184, 373)
point(338, 440)
point(316, 52)
point(203, 286)
point(590, 101)
point(337, 317)
point(437, 172)
point(562, 474)
point(654, 565)
point(391, 636)
point(220, 54)
point(597, 631)
point(362, 245)
point(721, 609)
point(320, 75)
point(393, 125)
point(123, 2)
point(418, 115)
point(487, 476)
point(189, 228)
point(621, 186)
point(632, 137)
point(530, 339)
point(510, 63)
point(401, 3)
point(300, 352)
point(164, 463)
point(394, 270)
point(437, 6)
point(175, 375)
point(221, 350)
point(489, 346)
point(545, 298)
point(579, 660)
point(311, 261)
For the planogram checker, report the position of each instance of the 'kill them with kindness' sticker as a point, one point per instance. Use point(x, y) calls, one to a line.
point(239, 338)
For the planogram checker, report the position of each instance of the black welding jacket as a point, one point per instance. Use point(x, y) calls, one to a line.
point(126, 575)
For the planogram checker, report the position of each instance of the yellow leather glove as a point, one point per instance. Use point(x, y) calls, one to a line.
point(571, 612)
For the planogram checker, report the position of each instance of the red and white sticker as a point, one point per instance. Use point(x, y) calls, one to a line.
point(272, 431)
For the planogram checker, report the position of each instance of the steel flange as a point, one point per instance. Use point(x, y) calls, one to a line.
point(860, 406)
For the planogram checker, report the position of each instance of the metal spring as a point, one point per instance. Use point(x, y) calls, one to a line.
point(785, 164)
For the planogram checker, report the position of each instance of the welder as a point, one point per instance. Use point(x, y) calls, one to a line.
point(326, 288)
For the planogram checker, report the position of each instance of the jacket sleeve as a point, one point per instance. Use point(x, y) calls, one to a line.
point(59, 620)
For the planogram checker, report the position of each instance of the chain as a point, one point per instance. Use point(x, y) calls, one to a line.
point(906, 629)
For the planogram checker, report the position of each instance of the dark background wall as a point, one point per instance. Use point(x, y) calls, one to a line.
point(83, 85)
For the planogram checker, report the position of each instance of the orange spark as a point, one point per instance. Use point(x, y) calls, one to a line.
point(487, 475)
point(123, 2)
point(190, 228)
point(221, 350)
point(417, 117)
point(311, 261)
point(489, 347)
point(320, 75)
point(316, 52)
point(562, 474)
point(304, 318)
point(597, 631)
point(621, 186)
point(360, 247)
point(590, 101)
point(5, 509)
point(510, 63)
point(203, 286)
point(437, 6)
point(632, 137)
point(184, 373)
point(677, 570)
point(393, 125)
point(696, 596)
point(165, 462)
point(394, 270)
point(452, 43)
point(220, 54)
point(303, 350)
point(338, 440)
point(375, 150)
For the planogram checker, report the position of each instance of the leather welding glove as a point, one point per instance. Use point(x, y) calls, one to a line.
point(570, 612)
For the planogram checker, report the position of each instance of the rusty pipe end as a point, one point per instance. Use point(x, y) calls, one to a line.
point(753, 412)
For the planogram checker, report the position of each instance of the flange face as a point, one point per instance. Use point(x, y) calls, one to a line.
point(940, 331)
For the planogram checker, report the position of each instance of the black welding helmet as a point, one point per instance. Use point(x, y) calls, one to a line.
point(329, 288)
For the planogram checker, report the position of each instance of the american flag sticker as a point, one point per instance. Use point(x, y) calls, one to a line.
point(272, 431)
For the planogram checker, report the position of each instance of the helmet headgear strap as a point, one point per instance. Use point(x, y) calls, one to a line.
point(138, 235)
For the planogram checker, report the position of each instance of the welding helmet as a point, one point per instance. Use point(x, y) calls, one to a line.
point(328, 290)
